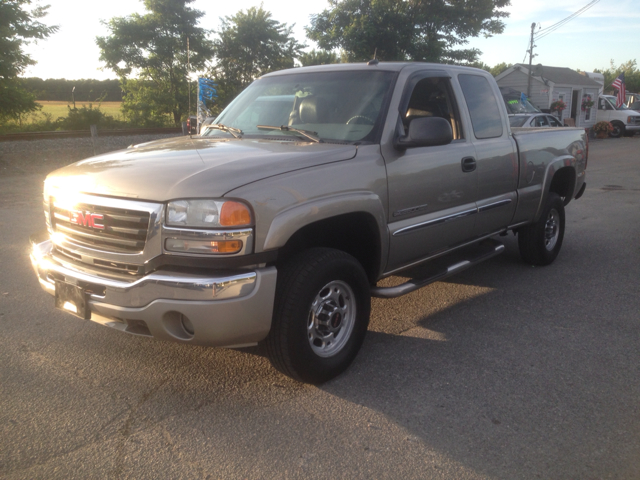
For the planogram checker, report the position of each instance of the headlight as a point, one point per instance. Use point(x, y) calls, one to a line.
point(208, 227)
point(207, 214)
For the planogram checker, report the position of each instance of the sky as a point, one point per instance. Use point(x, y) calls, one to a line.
point(605, 32)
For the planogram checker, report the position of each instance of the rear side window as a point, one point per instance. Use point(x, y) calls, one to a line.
point(483, 106)
point(553, 122)
point(517, 121)
point(542, 121)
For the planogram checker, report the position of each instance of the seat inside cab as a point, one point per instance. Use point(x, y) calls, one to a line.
point(433, 97)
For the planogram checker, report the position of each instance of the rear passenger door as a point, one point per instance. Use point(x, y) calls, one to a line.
point(495, 152)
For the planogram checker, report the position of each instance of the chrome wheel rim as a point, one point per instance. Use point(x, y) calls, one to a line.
point(551, 230)
point(331, 319)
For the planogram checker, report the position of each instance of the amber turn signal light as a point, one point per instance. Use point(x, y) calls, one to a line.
point(234, 214)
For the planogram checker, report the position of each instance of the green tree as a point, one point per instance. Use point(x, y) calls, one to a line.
point(154, 46)
point(418, 30)
point(250, 44)
point(318, 57)
point(499, 68)
point(631, 75)
point(18, 27)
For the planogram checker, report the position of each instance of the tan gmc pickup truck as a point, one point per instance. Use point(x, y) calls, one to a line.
point(275, 225)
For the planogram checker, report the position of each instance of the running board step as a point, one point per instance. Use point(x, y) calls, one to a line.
point(463, 260)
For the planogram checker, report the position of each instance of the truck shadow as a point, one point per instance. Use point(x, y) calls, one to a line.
point(514, 377)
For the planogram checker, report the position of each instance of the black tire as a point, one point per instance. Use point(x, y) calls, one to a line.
point(540, 242)
point(321, 315)
point(618, 130)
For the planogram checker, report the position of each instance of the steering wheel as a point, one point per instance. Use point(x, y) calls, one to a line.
point(356, 117)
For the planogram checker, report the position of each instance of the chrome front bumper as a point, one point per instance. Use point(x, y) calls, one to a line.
point(223, 310)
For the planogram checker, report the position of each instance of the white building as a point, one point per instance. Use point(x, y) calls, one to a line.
point(549, 84)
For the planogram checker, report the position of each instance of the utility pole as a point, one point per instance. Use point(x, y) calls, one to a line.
point(531, 45)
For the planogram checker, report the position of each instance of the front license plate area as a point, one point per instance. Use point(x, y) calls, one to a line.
point(72, 299)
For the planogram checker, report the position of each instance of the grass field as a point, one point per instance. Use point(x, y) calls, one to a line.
point(59, 109)
point(46, 118)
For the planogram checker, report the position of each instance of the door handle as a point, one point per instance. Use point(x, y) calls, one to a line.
point(468, 164)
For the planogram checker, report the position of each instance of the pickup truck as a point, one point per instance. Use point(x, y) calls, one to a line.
point(275, 226)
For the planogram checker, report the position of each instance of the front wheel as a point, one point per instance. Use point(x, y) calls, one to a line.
point(321, 315)
point(618, 130)
point(540, 242)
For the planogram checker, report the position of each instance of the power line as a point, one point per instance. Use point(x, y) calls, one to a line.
point(557, 25)
point(546, 31)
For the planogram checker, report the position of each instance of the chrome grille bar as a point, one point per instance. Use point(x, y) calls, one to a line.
point(119, 230)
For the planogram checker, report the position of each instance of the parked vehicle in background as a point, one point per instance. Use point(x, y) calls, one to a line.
point(516, 102)
point(276, 225)
point(192, 125)
point(534, 120)
point(624, 120)
point(633, 101)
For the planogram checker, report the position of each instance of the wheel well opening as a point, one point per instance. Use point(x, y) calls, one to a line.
point(563, 183)
point(354, 233)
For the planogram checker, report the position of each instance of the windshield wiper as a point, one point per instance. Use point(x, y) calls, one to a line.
point(285, 128)
point(236, 132)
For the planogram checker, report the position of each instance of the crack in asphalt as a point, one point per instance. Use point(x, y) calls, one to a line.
point(126, 430)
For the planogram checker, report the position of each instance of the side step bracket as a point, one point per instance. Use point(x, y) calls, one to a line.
point(463, 260)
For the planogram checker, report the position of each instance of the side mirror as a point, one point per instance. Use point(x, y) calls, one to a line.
point(426, 132)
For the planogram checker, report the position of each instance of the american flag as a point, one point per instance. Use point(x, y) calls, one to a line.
point(618, 84)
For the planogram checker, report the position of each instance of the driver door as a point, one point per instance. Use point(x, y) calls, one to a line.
point(432, 190)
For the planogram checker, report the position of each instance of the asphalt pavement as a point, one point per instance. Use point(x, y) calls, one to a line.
point(505, 372)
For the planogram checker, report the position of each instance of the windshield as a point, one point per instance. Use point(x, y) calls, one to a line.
point(612, 100)
point(338, 106)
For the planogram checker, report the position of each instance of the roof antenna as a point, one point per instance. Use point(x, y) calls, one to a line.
point(375, 60)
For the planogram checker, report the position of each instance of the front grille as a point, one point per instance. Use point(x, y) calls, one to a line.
point(125, 231)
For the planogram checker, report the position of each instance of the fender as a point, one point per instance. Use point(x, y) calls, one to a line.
point(552, 168)
point(289, 221)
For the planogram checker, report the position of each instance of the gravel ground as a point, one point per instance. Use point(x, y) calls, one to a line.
point(43, 156)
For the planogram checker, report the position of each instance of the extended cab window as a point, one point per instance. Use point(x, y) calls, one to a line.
point(433, 97)
point(483, 106)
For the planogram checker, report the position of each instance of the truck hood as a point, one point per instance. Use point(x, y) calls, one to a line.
point(191, 167)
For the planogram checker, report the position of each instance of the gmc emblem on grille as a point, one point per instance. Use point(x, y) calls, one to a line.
point(87, 219)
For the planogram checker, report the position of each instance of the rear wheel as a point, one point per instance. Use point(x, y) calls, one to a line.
point(540, 242)
point(321, 315)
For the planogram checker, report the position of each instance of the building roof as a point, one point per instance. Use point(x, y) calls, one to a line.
point(560, 75)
